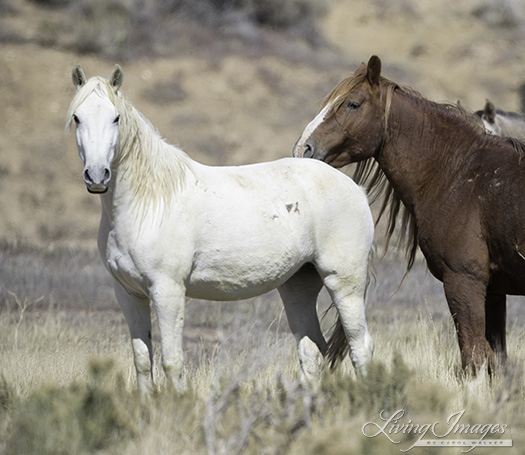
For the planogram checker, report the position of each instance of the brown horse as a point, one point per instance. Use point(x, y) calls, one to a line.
point(436, 168)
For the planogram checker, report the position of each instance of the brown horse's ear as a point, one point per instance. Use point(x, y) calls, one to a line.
point(490, 111)
point(373, 70)
point(116, 78)
point(361, 69)
point(78, 76)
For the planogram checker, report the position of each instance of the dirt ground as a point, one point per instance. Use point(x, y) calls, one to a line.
point(235, 109)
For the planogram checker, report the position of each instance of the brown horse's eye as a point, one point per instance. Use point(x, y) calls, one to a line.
point(353, 105)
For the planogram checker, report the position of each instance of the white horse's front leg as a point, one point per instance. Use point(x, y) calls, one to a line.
point(169, 298)
point(137, 313)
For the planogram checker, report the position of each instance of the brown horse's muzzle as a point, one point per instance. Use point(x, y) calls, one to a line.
point(303, 149)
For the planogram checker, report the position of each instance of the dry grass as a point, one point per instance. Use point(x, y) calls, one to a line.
point(67, 381)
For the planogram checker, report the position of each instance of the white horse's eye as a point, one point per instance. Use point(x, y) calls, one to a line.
point(75, 119)
point(117, 119)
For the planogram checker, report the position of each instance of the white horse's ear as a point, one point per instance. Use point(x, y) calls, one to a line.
point(78, 76)
point(116, 78)
point(490, 111)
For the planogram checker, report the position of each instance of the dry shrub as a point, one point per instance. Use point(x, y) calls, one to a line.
point(74, 419)
point(126, 29)
point(384, 388)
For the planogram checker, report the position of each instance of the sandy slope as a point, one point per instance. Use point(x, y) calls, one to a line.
point(232, 109)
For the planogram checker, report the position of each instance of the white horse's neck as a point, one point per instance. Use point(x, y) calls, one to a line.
point(149, 172)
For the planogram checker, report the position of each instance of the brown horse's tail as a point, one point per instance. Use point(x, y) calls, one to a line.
point(337, 345)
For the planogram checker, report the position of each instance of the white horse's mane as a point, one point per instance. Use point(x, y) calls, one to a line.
point(155, 169)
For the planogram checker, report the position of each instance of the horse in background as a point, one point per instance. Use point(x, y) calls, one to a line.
point(455, 190)
point(502, 123)
point(172, 227)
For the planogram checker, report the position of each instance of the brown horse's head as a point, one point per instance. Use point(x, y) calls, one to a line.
point(350, 125)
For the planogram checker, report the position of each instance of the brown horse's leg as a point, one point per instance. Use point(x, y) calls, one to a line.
point(496, 317)
point(466, 299)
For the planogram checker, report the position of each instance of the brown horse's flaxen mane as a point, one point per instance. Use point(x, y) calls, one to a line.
point(368, 173)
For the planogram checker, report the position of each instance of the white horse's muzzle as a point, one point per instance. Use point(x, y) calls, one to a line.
point(97, 179)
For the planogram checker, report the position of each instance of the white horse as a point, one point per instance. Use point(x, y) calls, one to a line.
point(502, 123)
point(172, 227)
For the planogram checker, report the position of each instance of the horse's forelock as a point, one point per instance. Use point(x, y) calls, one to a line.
point(338, 95)
point(93, 85)
point(341, 91)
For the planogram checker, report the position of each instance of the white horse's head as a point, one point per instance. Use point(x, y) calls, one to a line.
point(489, 116)
point(97, 130)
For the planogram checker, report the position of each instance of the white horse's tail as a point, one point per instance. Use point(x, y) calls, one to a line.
point(337, 345)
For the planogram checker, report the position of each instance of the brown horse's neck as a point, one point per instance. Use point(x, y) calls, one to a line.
point(426, 147)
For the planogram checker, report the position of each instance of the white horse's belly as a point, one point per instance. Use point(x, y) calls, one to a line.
point(227, 289)
point(225, 277)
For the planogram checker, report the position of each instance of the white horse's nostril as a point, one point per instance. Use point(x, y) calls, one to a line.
point(107, 175)
point(87, 177)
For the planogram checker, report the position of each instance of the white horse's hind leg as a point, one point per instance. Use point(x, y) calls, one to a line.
point(348, 296)
point(311, 361)
point(137, 313)
point(299, 295)
point(169, 300)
